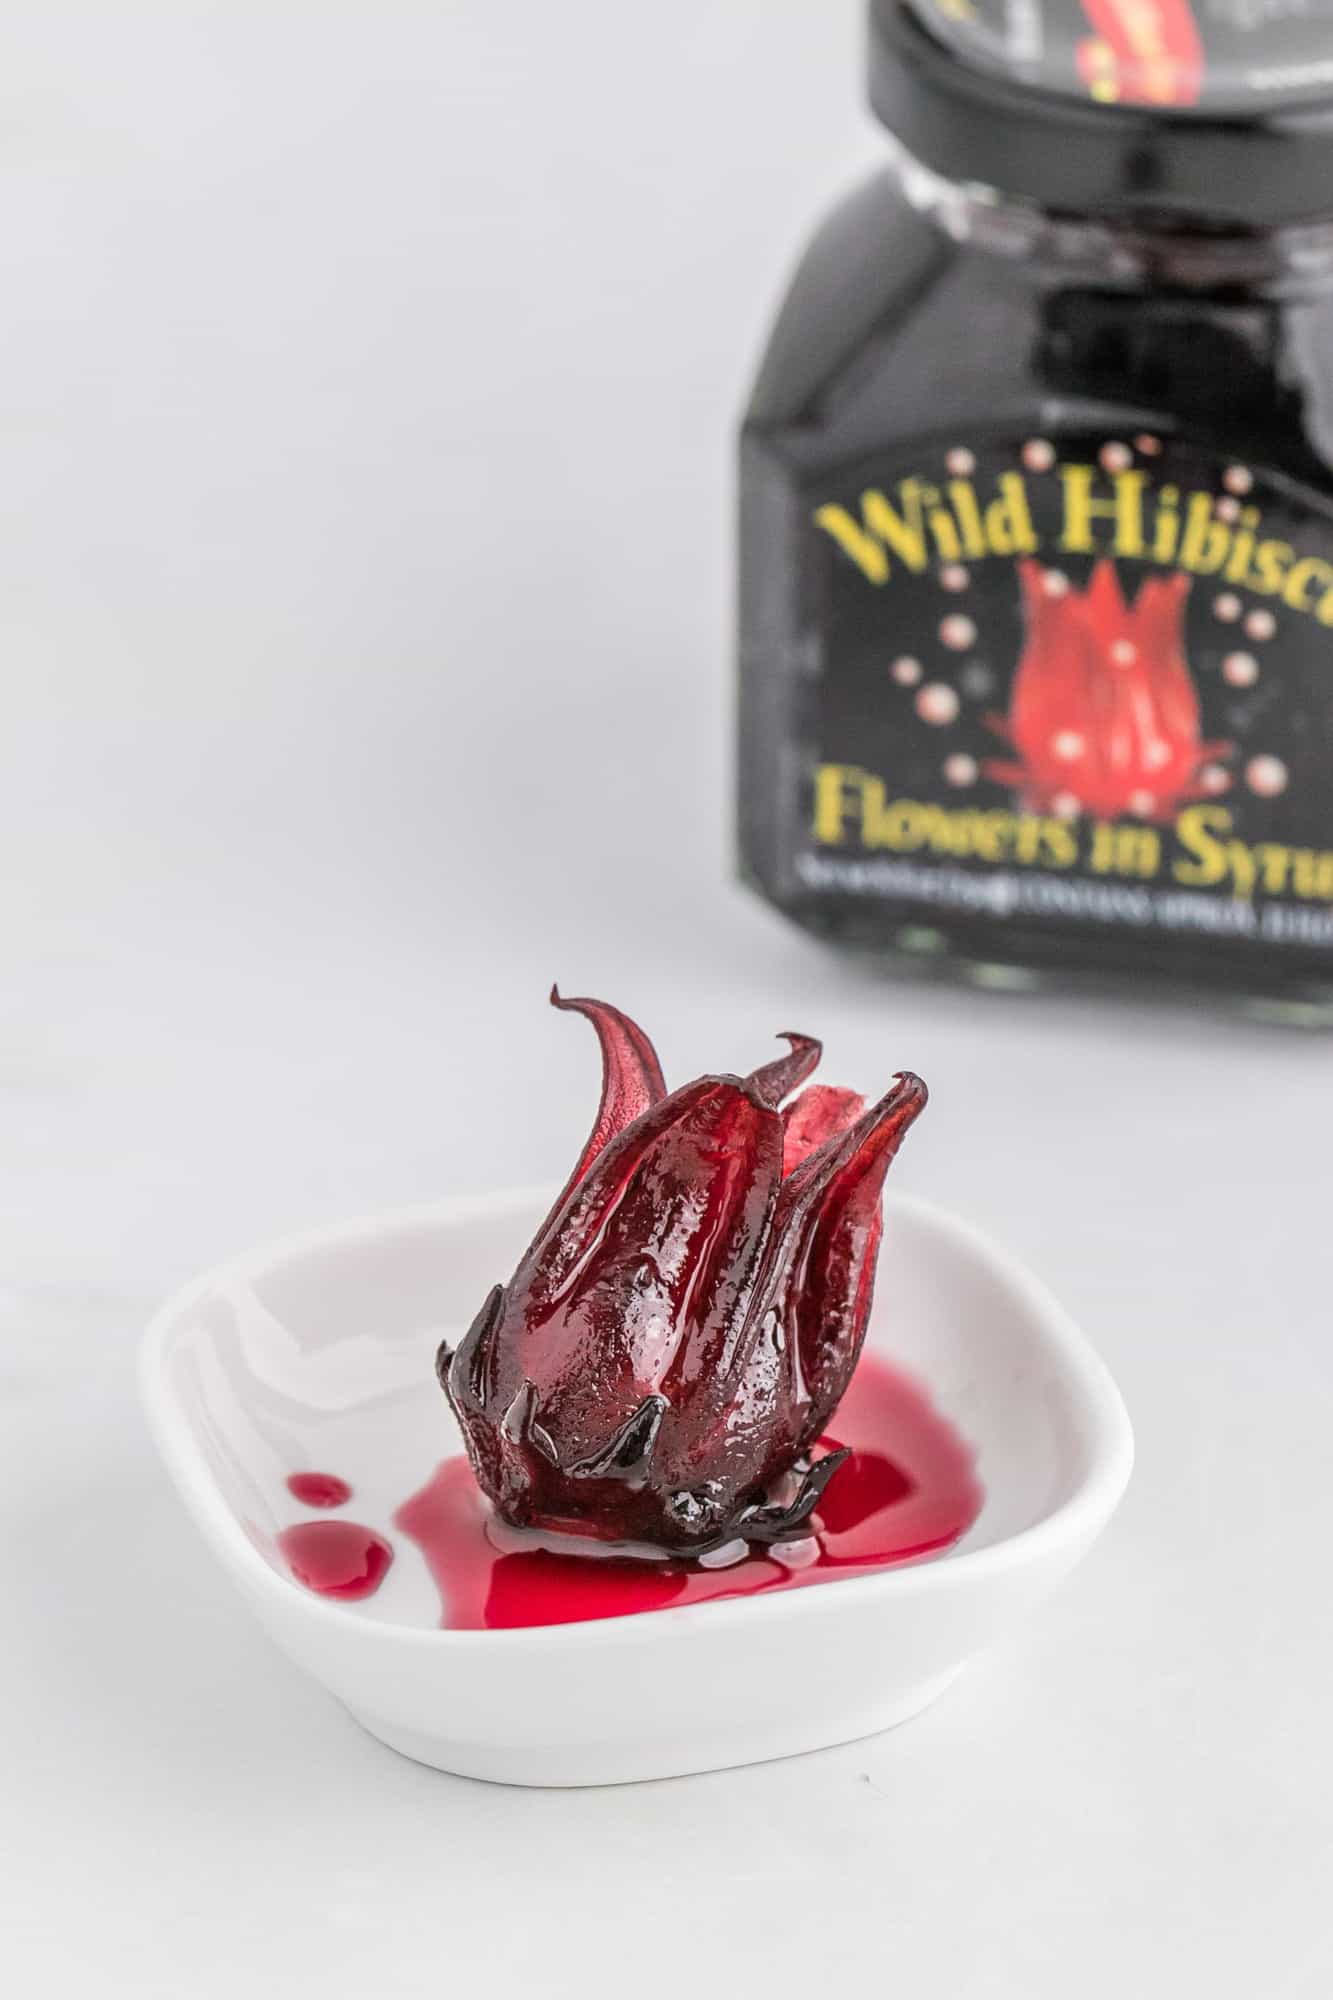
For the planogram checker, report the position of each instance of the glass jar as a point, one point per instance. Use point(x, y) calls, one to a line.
point(1036, 550)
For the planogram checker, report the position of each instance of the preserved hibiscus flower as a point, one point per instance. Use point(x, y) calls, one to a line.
point(680, 1331)
point(1104, 716)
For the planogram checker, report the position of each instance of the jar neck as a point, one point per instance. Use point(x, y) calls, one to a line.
point(1295, 260)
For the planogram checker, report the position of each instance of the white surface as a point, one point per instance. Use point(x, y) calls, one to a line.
point(319, 1352)
point(364, 580)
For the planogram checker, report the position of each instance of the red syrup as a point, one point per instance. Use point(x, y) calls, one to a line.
point(336, 1558)
point(319, 1489)
point(908, 1490)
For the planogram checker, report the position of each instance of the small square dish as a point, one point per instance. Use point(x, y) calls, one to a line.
point(318, 1353)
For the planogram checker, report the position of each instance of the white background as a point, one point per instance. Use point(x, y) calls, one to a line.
point(367, 376)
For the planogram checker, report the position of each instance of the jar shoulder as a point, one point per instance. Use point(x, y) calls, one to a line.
point(871, 256)
point(893, 326)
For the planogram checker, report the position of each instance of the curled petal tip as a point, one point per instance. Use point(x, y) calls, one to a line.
point(632, 1080)
point(911, 1089)
point(777, 1079)
point(901, 1105)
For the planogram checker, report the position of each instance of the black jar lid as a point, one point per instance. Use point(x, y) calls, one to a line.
point(1211, 111)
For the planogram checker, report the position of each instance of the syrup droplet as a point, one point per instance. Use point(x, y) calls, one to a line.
point(908, 1490)
point(319, 1489)
point(336, 1558)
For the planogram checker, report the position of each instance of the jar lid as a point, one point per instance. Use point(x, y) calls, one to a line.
point(1215, 111)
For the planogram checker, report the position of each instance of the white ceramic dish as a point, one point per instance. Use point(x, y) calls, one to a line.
point(317, 1353)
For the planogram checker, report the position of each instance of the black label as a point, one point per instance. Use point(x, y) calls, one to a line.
point(1079, 679)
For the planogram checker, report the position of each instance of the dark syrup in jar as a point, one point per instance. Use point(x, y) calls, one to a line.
point(1036, 601)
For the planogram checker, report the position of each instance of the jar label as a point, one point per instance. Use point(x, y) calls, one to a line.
point(1073, 680)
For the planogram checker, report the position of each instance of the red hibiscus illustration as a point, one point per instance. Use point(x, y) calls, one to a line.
point(691, 1311)
point(1144, 52)
point(1103, 716)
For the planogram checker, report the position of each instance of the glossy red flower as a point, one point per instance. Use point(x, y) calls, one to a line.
point(1104, 716)
point(685, 1322)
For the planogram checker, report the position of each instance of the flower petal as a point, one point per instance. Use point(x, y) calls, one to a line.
point(640, 1284)
point(631, 1075)
point(779, 1078)
point(826, 1233)
point(815, 1117)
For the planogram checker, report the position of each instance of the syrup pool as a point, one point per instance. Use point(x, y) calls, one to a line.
point(336, 1558)
point(319, 1489)
point(908, 1490)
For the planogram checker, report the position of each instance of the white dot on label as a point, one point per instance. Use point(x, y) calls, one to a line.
point(1261, 625)
point(1038, 456)
point(957, 632)
point(1214, 779)
point(1227, 607)
point(954, 577)
point(937, 704)
point(1065, 806)
point(1147, 444)
point(906, 671)
point(1267, 776)
point(1067, 745)
point(1124, 652)
point(1055, 583)
point(1143, 803)
point(1240, 670)
point(1116, 457)
point(961, 462)
point(1157, 755)
point(960, 770)
point(1227, 510)
point(1238, 479)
